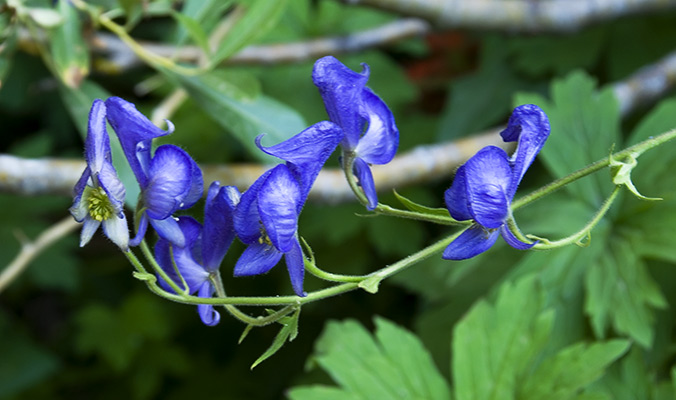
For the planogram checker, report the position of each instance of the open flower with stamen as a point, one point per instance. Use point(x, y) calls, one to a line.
point(199, 260)
point(99, 193)
point(370, 134)
point(266, 218)
point(170, 180)
point(483, 188)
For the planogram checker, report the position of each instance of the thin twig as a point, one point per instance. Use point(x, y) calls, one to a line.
point(30, 250)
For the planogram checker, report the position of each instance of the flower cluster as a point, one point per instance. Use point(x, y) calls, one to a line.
point(264, 218)
point(485, 185)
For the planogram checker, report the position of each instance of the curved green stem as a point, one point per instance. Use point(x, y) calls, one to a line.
point(312, 268)
point(437, 219)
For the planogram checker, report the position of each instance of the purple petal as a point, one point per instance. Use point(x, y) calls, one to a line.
point(135, 132)
point(112, 185)
point(488, 176)
point(170, 179)
point(278, 206)
point(79, 210)
point(341, 89)
point(257, 259)
point(247, 221)
point(97, 143)
point(193, 273)
point(513, 241)
point(196, 190)
point(169, 229)
point(307, 151)
point(295, 264)
point(208, 315)
point(455, 197)
point(470, 243)
point(530, 126)
point(379, 143)
point(363, 173)
point(219, 231)
point(141, 231)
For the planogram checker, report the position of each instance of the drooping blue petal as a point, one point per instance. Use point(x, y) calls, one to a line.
point(488, 176)
point(379, 144)
point(79, 208)
point(455, 197)
point(513, 241)
point(170, 180)
point(196, 189)
point(141, 231)
point(341, 89)
point(219, 230)
point(207, 313)
point(135, 132)
point(192, 272)
point(97, 143)
point(307, 151)
point(278, 205)
point(167, 229)
point(247, 221)
point(257, 258)
point(530, 126)
point(117, 230)
point(363, 173)
point(470, 243)
point(89, 226)
point(295, 264)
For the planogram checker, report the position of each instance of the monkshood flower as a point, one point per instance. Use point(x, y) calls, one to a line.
point(99, 194)
point(370, 134)
point(170, 180)
point(266, 218)
point(198, 261)
point(485, 185)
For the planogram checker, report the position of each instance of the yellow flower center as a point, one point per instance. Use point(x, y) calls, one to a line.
point(264, 238)
point(98, 203)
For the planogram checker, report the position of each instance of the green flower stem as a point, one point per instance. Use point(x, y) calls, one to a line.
point(348, 166)
point(585, 231)
point(161, 272)
point(312, 268)
point(634, 150)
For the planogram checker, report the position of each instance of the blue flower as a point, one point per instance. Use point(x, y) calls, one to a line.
point(199, 260)
point(99, 194)
point(370, 134)
point(170, 180)
point(485, 185)
point(266, 218)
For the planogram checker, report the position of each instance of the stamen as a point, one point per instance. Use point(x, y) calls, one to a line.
point(98, 203)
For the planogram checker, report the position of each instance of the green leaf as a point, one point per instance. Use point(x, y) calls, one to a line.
point(288, 332)
point(259, 17)
point(413, 206)
point(621, 291)
point(78, 102)
point(495, 345)
point(69, 50)
point(8, 37)
point(392, 365)
point(560, 377)
point(194, 29)
point(45, 17)
point(245, 118)
point(584, 127)
point(206, 12)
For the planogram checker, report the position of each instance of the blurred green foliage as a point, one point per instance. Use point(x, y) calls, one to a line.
point(574, 323)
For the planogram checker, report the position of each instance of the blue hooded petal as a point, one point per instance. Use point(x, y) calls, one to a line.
point(379, 143)
point(196, 189)
point(246, 220)
point(219, 231)
point(307, 151)
point(513, 241)
point(470, 243)
point(257, 259)
point(363, 173)
point(530, 126)
point(488, 177)
point(97, 143)
point(170, 180)
point(278, 206)
point(455, 197)
point(167, 229)
point(208, 315)
point(341, 89)
point(113, 186)
point(295, 264)
point(135, 132)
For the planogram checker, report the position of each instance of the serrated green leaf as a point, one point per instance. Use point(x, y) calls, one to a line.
point(584, 127)
point(393, 365)
point(259, 17)
point(494, 345)
point(621, 291)
point(244, 118)
point(69, 50)
point(572, 369)
point(413, 206)
point(194, 30)
point(320, 392)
